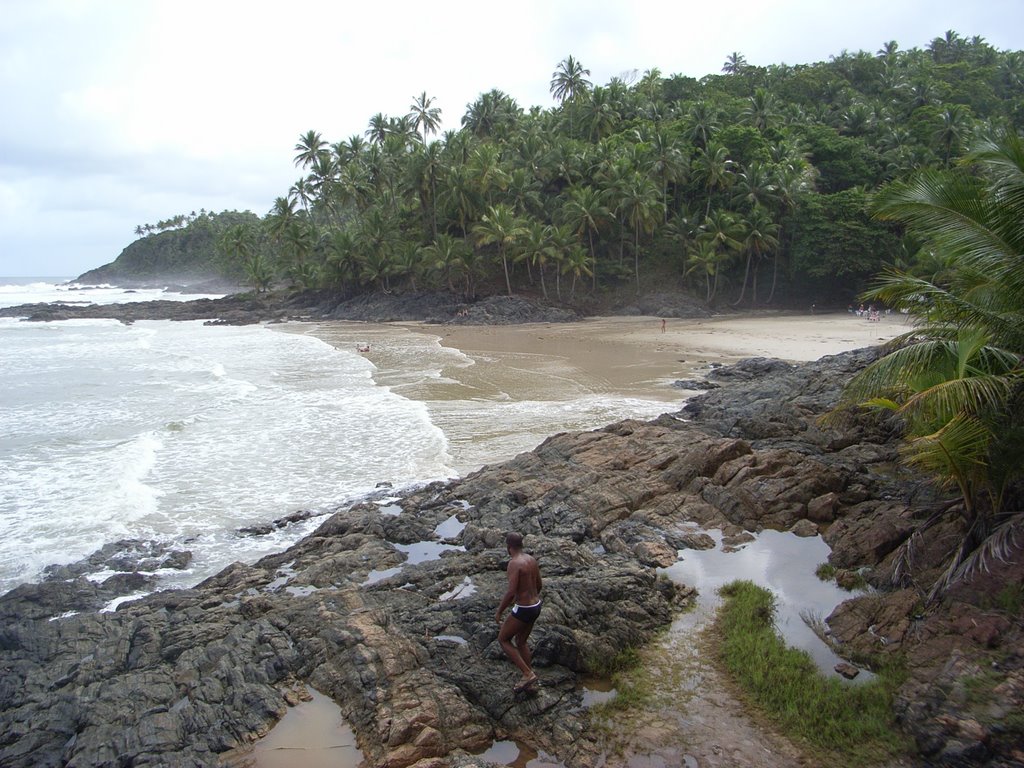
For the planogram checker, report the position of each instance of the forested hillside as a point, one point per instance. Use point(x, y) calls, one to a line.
point(749, 188)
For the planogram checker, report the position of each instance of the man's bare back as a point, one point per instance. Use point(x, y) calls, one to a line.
point(523, 594)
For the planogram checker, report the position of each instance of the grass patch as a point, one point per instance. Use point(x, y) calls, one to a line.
point(609, 666)
point(848, 725)
point(632, 689)
point(826, 572)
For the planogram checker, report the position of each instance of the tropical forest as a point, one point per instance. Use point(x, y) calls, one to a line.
point(749, 188)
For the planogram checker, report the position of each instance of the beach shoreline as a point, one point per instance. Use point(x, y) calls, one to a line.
point(629, 355)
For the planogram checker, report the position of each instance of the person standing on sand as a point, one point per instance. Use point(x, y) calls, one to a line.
point(663, 325)
point(523, 594)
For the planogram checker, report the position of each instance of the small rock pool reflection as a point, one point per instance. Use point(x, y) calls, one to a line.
point(783, 563)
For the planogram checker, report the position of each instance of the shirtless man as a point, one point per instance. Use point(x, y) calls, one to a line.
point(523, 594)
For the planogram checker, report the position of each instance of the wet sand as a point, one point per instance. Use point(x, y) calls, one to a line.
point(495, 391)
point(632, 352)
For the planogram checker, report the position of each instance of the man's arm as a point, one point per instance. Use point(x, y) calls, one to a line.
point(509, 597)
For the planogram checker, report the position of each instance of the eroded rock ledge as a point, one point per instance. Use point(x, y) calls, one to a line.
point(179, 677)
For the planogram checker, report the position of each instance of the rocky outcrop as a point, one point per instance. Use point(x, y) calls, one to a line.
point(408, 649)
point(246, 309)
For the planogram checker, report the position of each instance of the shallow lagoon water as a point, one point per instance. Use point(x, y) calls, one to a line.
point(781, 562)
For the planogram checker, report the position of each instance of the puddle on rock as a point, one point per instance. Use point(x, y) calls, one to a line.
point(783, 563)
point(312, 734)
point(423, 551)
point(451, 639)
point(420, 552)
point(450, 528)
point(515, 754)
point(596, 690)
point(464, 589)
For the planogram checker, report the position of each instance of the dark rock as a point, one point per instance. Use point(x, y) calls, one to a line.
point(847, 670)
point(178, 677)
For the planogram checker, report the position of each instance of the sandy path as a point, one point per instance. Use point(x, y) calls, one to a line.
point(692, 718)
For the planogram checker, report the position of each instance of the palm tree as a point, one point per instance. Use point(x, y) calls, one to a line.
point(578, 264)
point(955, 122)
point(501, 227)
point(724, 235)
point(378, 128)
point(956, 379)
point(701, 122)
point(584, 210)
point(761, 237)
point(712, 164)
point(639, 204)
point(569, 80)
point(734, 64)
point(568, 83)
point(311, 146)
point(425, 118)
point(448, 255)
point(535, 248)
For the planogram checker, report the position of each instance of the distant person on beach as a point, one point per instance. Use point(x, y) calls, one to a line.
point(523, 594)
point(662, 325)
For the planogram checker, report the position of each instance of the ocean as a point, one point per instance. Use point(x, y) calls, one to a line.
point(184, 433)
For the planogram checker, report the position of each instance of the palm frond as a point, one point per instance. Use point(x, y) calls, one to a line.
point(999, 544)
point(944, 400)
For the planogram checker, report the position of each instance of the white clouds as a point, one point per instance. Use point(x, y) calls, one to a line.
point(119, 112)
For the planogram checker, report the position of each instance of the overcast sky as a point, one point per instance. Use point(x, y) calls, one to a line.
point(124, 112)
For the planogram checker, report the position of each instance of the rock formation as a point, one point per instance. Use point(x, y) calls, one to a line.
point(408, 650)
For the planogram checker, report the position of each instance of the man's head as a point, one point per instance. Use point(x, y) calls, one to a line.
point(514, 542)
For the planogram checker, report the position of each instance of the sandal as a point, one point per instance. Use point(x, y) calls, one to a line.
point(526, 684)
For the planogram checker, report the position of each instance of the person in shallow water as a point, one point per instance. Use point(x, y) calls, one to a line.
point(523, 594)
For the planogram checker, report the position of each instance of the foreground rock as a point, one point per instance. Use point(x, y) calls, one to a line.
point(409, 651)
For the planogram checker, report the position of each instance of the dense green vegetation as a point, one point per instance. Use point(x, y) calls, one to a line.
point(957, 379)
point(748, 187)
point(178, 247)
point(845, 724)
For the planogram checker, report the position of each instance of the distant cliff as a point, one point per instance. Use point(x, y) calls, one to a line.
point(187, 255)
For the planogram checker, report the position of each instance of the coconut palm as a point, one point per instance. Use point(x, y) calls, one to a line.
point(535, 248)
point(446, 254)
point(568, 84)
point(761, 237)
point(569, 80)
point(311, 146)
point(640, 205)
point(724, 235)
point(501, 227)
point(957, 379)
point(734, 64)
point(584, 210)
point(425, 117)
point(713, 166)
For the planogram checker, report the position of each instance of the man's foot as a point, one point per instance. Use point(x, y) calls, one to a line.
point(526, 684)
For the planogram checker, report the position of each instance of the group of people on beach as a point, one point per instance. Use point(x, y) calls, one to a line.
point(871, 313)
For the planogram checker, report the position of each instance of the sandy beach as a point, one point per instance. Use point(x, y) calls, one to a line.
point(633, 352)
point(498, 390)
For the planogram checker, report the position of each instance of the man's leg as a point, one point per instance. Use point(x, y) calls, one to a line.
point(524, 650)
point(513, 629)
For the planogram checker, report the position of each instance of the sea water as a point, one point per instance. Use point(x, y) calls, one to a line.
point(184, 433)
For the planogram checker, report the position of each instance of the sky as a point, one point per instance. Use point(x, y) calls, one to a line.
point(116, 113)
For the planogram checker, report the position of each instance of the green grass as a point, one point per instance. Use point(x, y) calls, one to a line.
point(631, 690)
point(849, 725)
point(609, 666)
point(826, 572)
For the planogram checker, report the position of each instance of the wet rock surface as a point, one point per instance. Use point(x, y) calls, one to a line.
point(408, 649)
